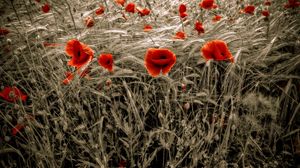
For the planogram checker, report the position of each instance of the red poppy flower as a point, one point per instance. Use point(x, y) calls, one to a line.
point(147, 28)
point(216, 18)
point(199, 27)
point(265, 13)
point(46, 8)
point(106, 61)
point(216, 50)
point(215, 6)
point(183, 15)
point(89, 22)
point(130, 8)
point(206, 4)
point(69, 78)
point(180, 35)
point(12, 94)
point(100, 10)
point(249, 9)
point(267, 3)
point(80, 53)
point(84, 73)
point(159, 60)
point(143, 11)
point(120, 2)
point(3, 31)
point(46, 44)
point(17, 129)
point(182, 8)
point(122, 164)
point(292, 4)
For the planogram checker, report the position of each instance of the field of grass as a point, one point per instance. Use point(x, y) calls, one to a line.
point(201, 114)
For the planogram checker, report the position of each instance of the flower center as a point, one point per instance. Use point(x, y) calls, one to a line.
point(11, 95)
point(163, 57)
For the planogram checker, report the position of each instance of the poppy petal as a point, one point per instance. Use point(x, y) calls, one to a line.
point(72, 47)
point(106, 61)
point(182, 8)
point(216, 50)
point(159, 60)
point(120, 2)
point(69, 78)
point(152, 69)
point(130, 8)
point(17, 129)
point(147, 28)
point(3, 31)
point(100, 10)
point(12, 94)
point(180, 35)
point(207, 4)
point(81, 54)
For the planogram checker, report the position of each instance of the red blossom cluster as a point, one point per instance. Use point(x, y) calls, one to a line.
point(182, 11)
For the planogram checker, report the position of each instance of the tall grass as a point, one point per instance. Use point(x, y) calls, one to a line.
point(214, 114)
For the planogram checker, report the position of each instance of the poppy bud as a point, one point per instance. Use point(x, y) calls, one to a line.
point(186, 106)
point(233, 127)
point(232, 117)
point(217, 137)
point(28, 129)
point(7, 138)
point(108, 82)
point(183, 87)
point(46, 8)
point(20, 120)
point(8, 41)
point(9, 118)
point(89, 22)
point(16, 106)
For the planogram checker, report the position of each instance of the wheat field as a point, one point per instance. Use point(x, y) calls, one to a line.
point(200, 114)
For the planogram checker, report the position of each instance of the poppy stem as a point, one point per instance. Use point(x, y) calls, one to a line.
point(201, 14)
point(268, 28)
point(148, 4)
point(105, 2)
point(182, 25)
point(12, 3)
point(71, 15)
point(28, 13)
point(148, 33)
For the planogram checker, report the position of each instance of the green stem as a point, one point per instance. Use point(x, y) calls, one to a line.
point(69, 7)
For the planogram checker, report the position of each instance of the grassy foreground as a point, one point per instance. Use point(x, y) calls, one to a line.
point(202, 114)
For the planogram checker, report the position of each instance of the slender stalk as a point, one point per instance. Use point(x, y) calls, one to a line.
point(12, 4)
point(69, 8)
point(28, 12)
point(106, 5)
